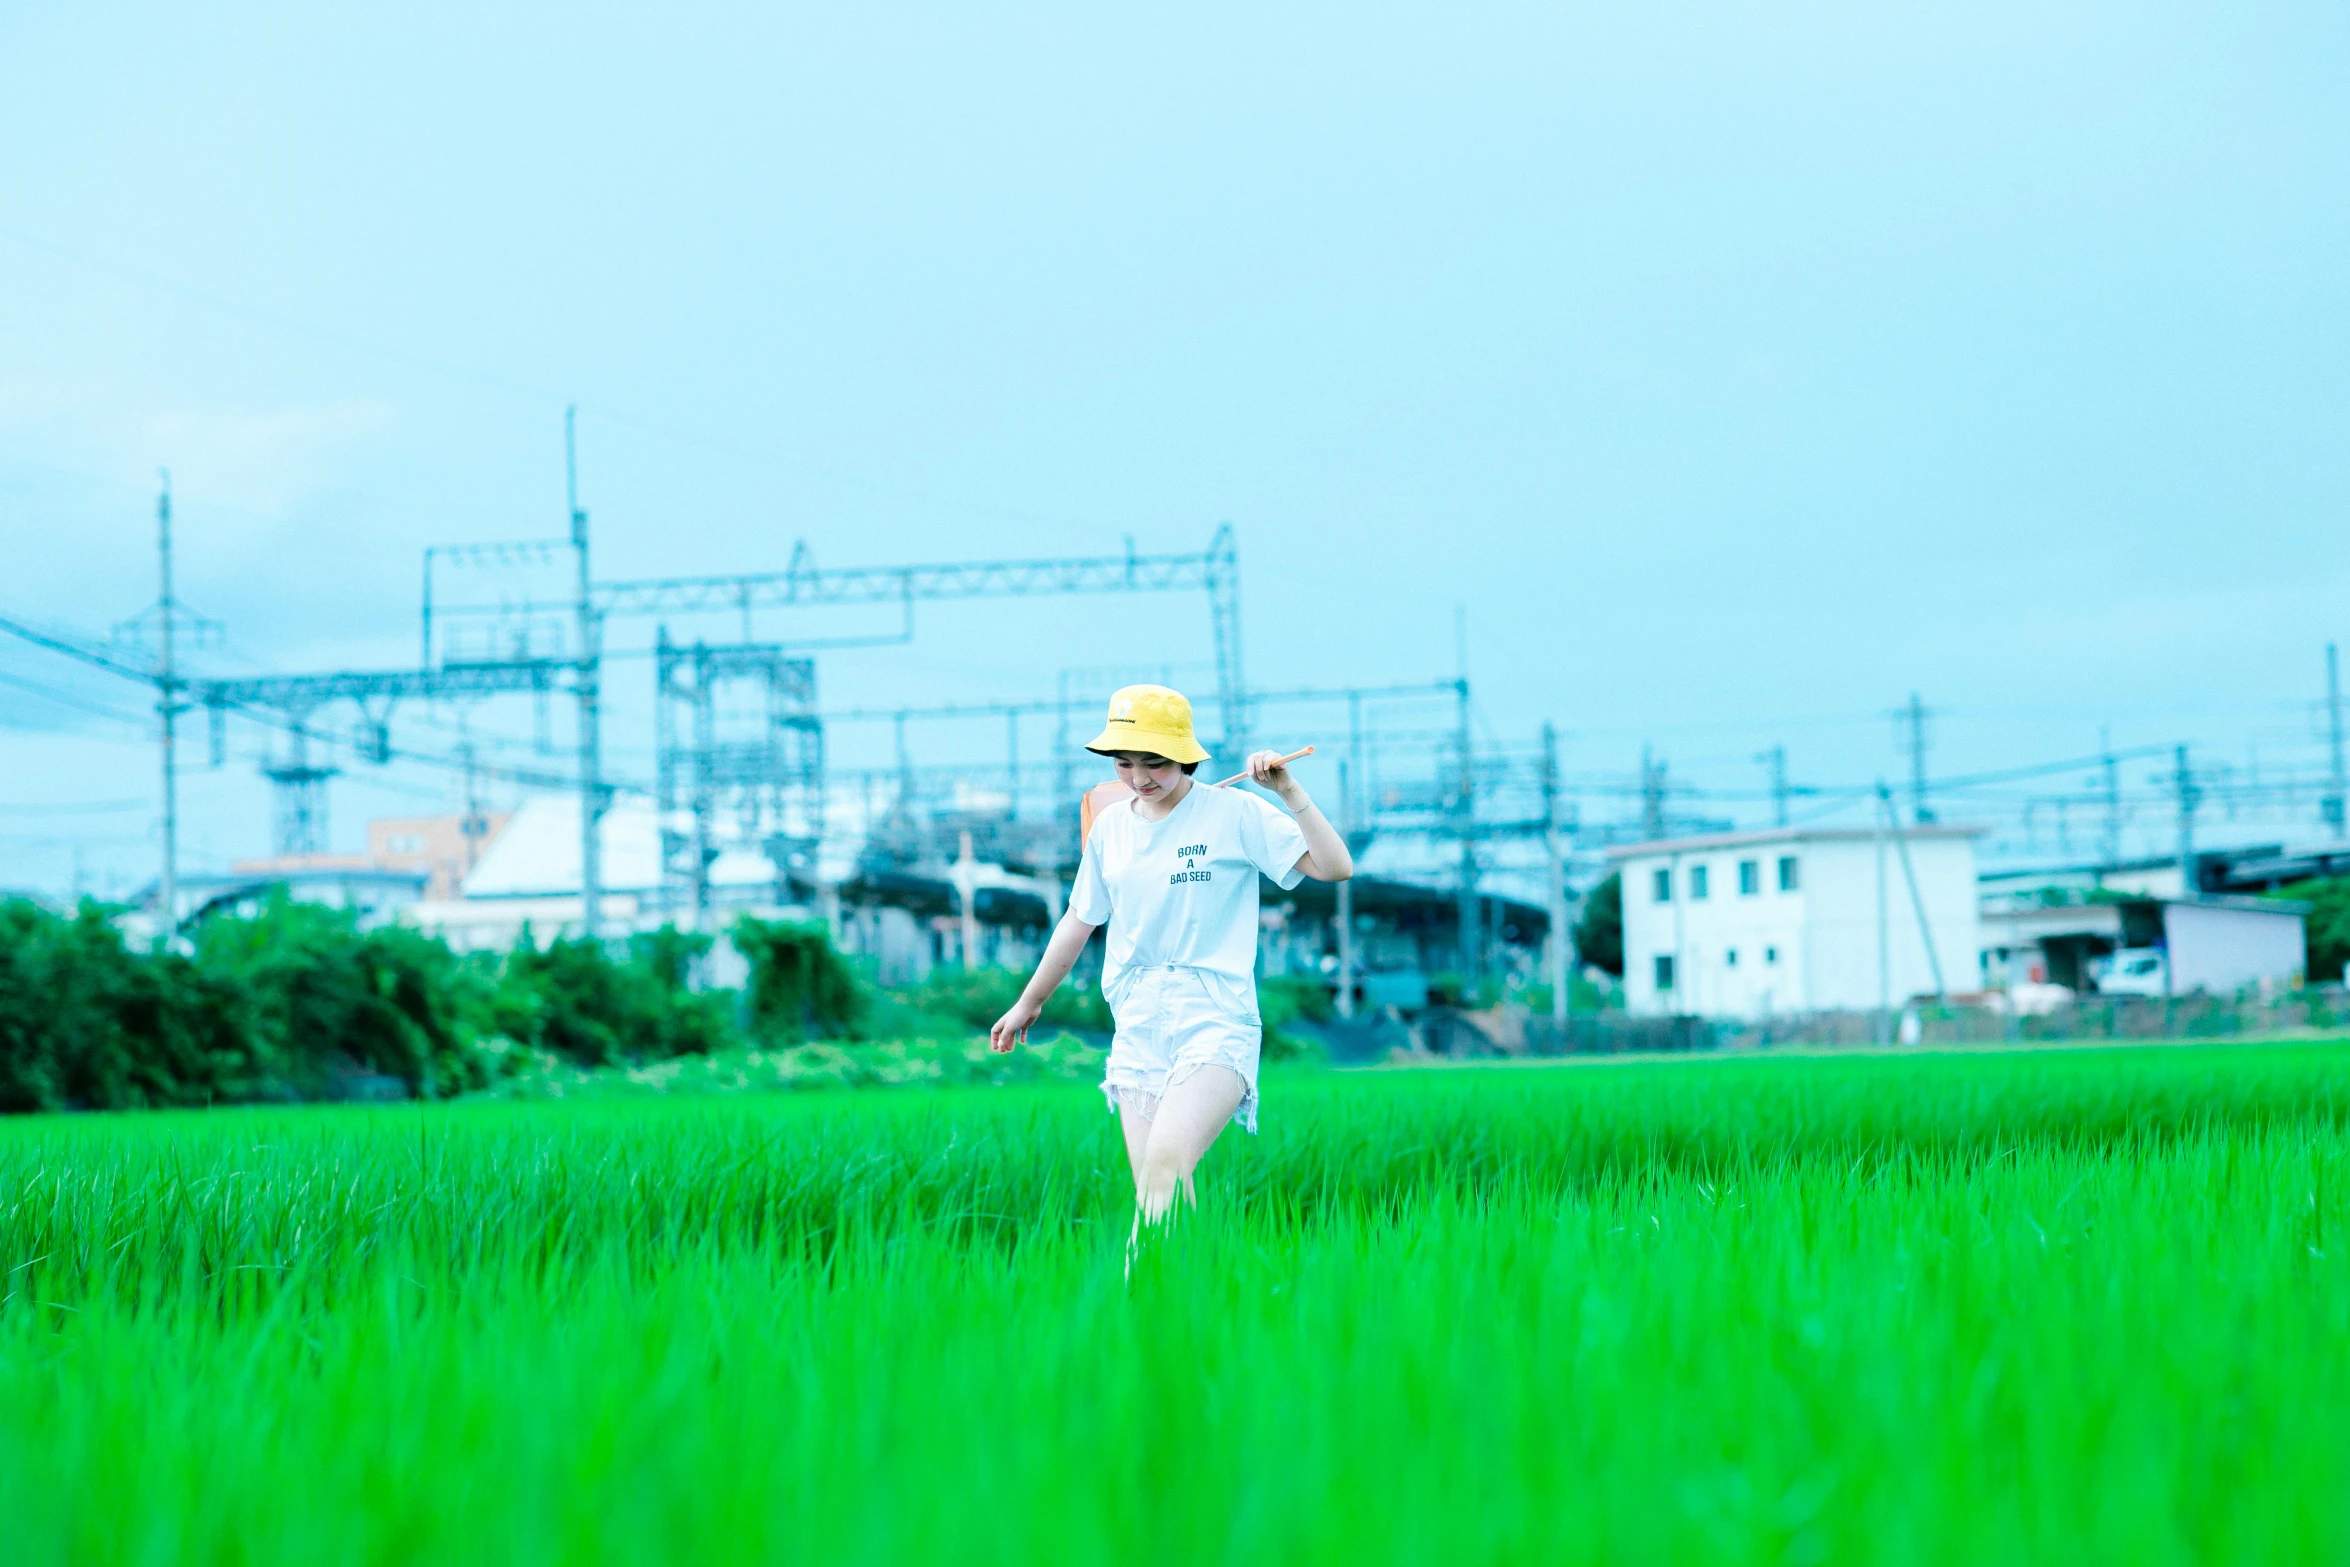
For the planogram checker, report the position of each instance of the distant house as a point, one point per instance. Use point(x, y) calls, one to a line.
point(528, 875)
point(1745, 925)
point(2212, 943)
point(372, 892)
point(446, 848)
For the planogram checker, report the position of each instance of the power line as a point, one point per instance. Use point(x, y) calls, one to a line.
point(71, 807)
point(66, 699)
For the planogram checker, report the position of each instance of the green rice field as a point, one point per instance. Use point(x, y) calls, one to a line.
point(2065, 1306)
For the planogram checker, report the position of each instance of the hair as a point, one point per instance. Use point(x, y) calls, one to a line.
point(1188, 767)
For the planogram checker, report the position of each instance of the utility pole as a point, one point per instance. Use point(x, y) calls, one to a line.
point(1915, 716)
point(1345, 998)
point(1652, 796)
point(1358, 780)
point(905, 767)
point(2333, 809)
point(1884, 924)
point(589, 679)
point(2113, 799)
point(967, 889)
point(1465, 824)
point(1464, 810)
point(1350, 784)
point(1066, 812)
point(1011, 768)
point(474, 826)
point(2189, 797)
point(1917, 901)
point(1222, 582)
point(1776, 757)
point(1562, 940)
point(167, 707)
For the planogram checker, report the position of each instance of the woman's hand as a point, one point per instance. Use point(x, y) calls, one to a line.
point(1264, 767)
point(1326, 857)
point(1012, 1028)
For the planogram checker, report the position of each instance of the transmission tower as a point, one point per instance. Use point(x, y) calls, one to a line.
point(1214, 571)
point(291, 705)
point(298, 824)
point(539, 642)
point(767, 775)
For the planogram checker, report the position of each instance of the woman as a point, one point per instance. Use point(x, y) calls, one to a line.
point(1173, 873)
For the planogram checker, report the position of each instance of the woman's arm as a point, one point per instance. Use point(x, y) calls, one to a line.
point(1060, 956)
point(1326, 857)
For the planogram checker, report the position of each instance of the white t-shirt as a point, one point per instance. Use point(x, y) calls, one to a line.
point(1184, 890)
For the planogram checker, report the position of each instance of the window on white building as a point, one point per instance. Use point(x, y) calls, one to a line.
point(1749, 878)
point(1770, 954)
point(1787, 877)
point(1730, 958)
point(1697, 884)
point(1664, 971)
point(1664, 884)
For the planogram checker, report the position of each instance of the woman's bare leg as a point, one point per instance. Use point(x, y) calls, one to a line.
point(1189, 1118)
point(1135, 1122)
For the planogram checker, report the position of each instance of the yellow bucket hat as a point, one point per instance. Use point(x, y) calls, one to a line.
point(1150, 719)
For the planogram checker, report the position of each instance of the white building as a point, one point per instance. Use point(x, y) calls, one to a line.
point(2212, 944)
point(1794, 920)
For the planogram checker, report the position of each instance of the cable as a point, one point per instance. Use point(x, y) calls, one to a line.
point(66, 699)
point(70, 808)
point(271, 718)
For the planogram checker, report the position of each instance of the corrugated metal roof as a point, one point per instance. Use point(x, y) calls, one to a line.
point(537, 855)
point(1741, 840)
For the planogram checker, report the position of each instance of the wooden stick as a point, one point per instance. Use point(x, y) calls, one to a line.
point(1283, 762)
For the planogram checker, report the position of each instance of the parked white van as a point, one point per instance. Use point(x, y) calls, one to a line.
point(2135, 971)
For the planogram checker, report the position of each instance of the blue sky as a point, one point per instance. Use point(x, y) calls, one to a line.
point(1737, 368)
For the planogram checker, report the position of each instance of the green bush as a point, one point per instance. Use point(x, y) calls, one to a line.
point(1599, 934)
point(1583, 997)
point(576, 999)
point(973, 999)
point(1283, 999)
point(2329, 925)
point(801, 987)
point(317, 995)
point(87, 1023)
point(1294, 998)
point(286, 1003)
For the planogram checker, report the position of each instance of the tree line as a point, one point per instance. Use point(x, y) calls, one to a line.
point(297, 1002)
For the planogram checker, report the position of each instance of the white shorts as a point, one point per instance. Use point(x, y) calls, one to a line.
point(1172, 1021)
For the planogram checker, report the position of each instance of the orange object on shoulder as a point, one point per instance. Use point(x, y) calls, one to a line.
point(1098, 799)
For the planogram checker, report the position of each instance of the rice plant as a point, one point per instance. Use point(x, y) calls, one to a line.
point(2065, 1306)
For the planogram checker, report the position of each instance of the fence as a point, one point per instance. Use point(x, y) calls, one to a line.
point(2314, 1009)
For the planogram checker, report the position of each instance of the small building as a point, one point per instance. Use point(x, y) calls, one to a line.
point(445, 848)
point(2270, 866)
point(1746, 925)
point(2212, 943)
point(373, 892)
